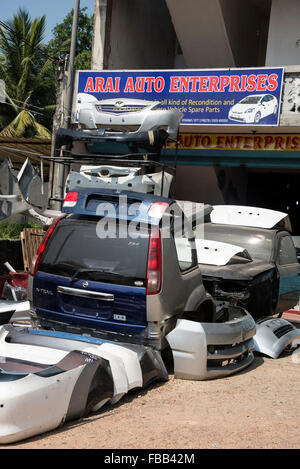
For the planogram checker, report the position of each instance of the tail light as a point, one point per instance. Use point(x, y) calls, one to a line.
point(71, 199)
point(41, 248)
point(157, 209)
point(154, 266)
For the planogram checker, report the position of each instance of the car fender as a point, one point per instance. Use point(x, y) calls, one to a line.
point(197, 297)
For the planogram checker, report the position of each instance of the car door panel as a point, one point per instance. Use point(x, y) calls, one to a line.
point(288, 268)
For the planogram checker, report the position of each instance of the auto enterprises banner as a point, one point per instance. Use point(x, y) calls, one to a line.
point(268, 142)
point(205, 97)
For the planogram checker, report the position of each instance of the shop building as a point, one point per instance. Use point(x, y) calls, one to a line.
point(234, 162)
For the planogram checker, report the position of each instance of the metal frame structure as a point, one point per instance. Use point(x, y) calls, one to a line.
point(154, 140)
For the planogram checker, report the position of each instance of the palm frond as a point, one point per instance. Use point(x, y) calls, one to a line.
point(25, 125)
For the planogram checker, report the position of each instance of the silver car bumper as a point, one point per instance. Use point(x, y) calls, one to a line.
point(211, 350)
point(274, 335)
point(146, 121)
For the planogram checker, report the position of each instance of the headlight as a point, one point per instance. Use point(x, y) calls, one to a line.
point(251, 109)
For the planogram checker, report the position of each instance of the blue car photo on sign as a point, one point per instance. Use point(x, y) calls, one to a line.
point(205, 97)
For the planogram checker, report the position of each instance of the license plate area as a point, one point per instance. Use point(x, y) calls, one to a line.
point(86, 303)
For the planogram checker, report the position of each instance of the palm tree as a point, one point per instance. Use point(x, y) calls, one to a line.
point(25, 70)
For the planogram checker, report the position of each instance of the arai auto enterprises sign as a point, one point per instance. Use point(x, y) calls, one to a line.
point(266, 142)
point(205, 97)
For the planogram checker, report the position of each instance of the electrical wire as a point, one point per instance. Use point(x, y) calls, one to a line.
point(29, 105)
point(25, 109)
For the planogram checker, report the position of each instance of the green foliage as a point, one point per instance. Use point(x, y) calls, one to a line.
point(25, 125)
point(30, 74)
point(13, 230)
point(61, 42)
point(27, 73)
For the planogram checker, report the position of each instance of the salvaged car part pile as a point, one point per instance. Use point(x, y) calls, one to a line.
point(47, 379)
point(104, 309)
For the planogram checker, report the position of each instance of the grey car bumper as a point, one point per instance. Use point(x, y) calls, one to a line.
point(274, 335)
point(211, 350)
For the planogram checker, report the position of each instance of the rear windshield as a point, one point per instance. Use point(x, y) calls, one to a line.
point(258, 243)
point(251, 100)
point(75, 250)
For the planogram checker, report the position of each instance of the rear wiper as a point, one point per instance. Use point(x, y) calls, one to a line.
point(95, 270)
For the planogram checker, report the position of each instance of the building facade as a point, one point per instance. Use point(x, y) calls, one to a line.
point(242, 164)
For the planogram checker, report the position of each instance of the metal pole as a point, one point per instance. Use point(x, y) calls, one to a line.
point(70, 83)
point(57, 180)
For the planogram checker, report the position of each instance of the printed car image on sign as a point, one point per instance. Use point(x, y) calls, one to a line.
point(253, 108)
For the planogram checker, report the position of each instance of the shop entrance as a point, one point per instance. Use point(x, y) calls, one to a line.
point(277, 190)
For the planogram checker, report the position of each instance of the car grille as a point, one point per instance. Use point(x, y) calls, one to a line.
point(237, 118)
point(112, 109)
point(281, 331)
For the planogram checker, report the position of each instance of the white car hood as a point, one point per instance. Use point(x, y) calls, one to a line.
point(215, 252)
point(246, 216)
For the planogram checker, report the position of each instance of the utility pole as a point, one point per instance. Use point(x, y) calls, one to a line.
point(63, 113)
point(70, 83)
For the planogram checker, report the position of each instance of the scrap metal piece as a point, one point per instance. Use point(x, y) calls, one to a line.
point(31, 186)
point(274, 335)
point(11, 200)
point(151, 141)
point(156, 183)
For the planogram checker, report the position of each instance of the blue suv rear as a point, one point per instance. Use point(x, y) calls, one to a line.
point(120, 284)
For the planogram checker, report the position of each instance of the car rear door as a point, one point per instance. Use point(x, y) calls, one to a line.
point(288, 268)
point(93, 282)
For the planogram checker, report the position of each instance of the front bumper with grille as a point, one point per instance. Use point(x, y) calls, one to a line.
point(274, 335)
point(212, 350)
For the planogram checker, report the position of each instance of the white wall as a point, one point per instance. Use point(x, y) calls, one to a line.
point(284, 32)
point(141, 36)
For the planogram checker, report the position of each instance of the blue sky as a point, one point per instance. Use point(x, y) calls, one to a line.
point(55, 10)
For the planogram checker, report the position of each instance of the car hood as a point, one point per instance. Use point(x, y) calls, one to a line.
point(237, 271)
point(242, 107)
point(217, 253)
point(242, 215)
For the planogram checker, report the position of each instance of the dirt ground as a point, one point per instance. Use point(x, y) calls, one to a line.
point(257, 408)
